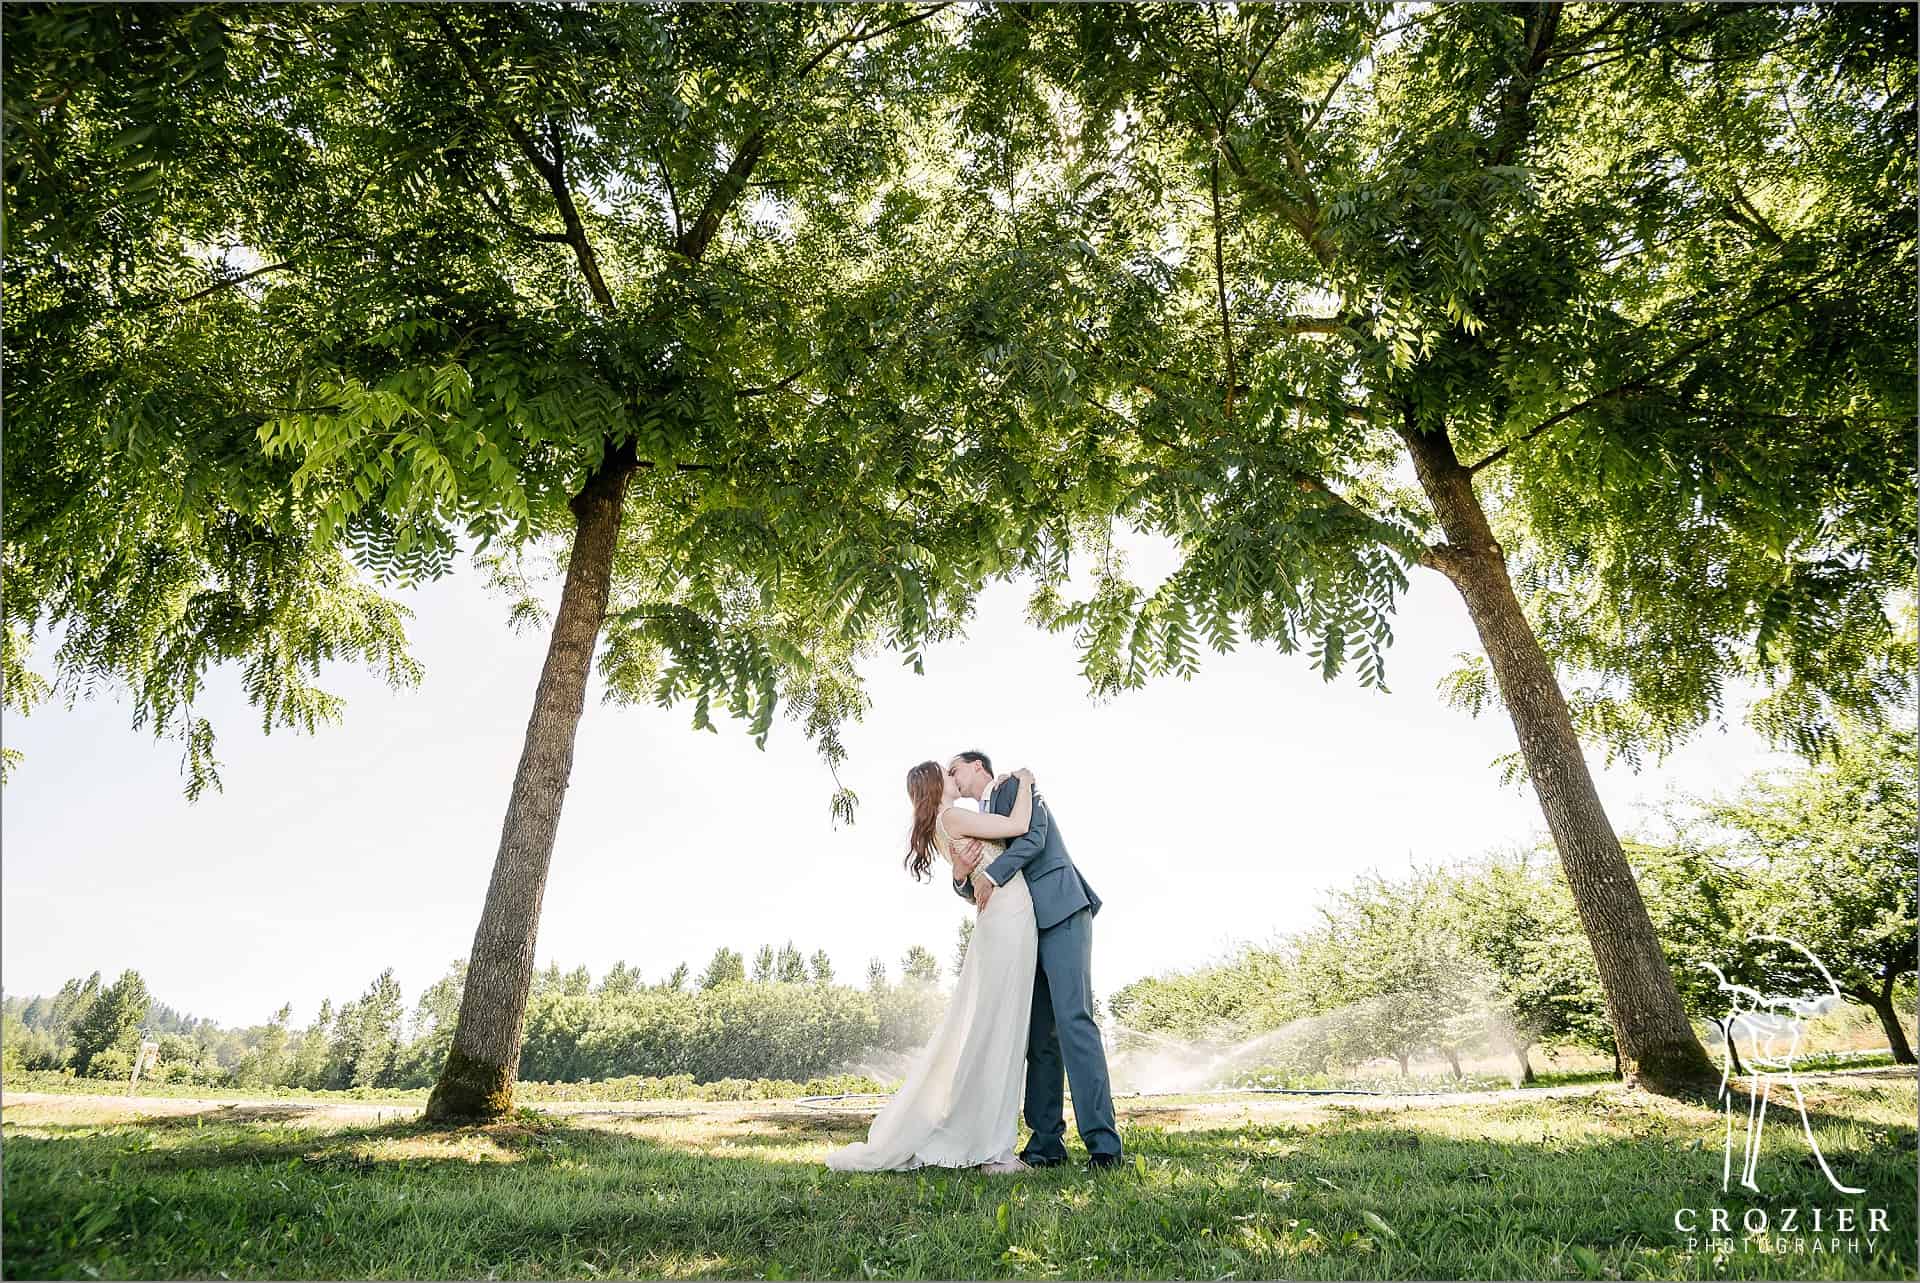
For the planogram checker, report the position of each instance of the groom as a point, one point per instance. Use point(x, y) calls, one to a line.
point(1061, 1028)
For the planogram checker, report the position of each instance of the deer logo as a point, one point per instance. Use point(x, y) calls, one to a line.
point(1771, 1027)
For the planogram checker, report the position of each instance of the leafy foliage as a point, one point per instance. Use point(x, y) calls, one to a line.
point(789, 1027)
point(1646, 269)
point(111, 1022)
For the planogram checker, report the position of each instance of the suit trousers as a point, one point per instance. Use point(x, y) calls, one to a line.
point(1063, 1037)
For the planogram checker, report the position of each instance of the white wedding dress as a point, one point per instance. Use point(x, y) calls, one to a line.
point(960, 1102)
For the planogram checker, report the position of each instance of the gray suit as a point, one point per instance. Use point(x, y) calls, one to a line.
point(1062, 1033)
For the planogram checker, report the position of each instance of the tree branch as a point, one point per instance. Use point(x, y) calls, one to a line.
point(1358, 413)
point(860, 36)
point(1643, 380)
point(781, 386)
point(1302, 218)
point(1381, 529)
point(1253, 70)
point(1326, 101)
point(218, 286)
point(693, 243)
point(673, 197)
point(1515, 122)
point(1220, 286)
point(1261, 333)
point(514, 224)
point(551, 168)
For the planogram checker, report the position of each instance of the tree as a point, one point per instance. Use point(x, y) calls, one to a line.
point(790, 967)
point(726, 968)
point(68, 1008)
point(876, 975)
point(646, 378)
point(1830, 850)
point(960, 947)
point(1383, 956)
point(25, 1046)
point(269, 1062)
point(111, 1021)
point(918, 966)
point(367, 1035)
point(1519, 925)
point(677, 979)
point(821, 966)
point(620, 978)
point(460, 292)
point(1628, 331)
point(310, 1056)
point(763, 965)
point(431, 1035)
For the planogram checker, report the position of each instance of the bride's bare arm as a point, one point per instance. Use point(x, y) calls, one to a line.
point(982, 824)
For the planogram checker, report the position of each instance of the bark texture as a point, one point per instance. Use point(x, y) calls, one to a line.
point(478, 1079)
point(1657, 1045)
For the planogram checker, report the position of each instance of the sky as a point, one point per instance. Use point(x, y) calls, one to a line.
point(1206, 813)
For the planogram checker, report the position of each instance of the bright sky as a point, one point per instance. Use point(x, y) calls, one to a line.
point(1205, 813)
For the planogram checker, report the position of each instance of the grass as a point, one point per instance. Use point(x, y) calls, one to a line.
point(678, 1087)
point(66, 1084)
point(1583, 1182)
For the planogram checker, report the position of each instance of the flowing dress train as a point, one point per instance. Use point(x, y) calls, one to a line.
point(961, 1099)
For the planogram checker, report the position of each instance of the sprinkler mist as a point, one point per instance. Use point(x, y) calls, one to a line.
point(1151, 1064)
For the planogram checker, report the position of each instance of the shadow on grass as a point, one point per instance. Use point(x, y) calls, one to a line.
point(237, 1114)
point(1552, 1188)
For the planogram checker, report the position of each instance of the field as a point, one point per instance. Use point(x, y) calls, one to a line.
point(1580, 1180)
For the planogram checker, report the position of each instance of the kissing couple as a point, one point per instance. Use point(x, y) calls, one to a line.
point(1025, 995)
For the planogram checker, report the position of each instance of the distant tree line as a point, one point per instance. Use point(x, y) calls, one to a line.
point(785, 1017)
point(1489, 956)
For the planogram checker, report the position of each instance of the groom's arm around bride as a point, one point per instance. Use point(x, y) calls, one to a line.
point(1019, 852)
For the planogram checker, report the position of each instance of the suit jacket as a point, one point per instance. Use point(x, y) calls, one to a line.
point(1056, 886)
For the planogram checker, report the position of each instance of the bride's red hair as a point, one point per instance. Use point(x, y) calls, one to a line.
point(926, 789)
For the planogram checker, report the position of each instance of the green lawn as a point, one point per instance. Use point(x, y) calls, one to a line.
point(1580, 1183)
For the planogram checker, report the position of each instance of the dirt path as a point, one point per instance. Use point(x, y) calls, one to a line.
point(1151, 1110)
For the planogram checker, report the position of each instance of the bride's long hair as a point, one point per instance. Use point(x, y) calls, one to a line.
point(926, 789)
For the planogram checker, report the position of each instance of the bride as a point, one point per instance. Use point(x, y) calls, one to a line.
point(959, 1102)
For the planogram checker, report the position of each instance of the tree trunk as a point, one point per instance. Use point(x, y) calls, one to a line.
point(1657, 1045)
point(1526, 1067)
point(1403, 1064)
point(1896, 1030)
point(1453, 1060)
point(477, 1081)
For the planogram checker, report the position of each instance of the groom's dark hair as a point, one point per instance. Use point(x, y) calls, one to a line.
point(975, 755)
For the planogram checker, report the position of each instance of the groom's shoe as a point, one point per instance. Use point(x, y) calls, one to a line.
point(1104, 1162)
point(1043, 1160)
